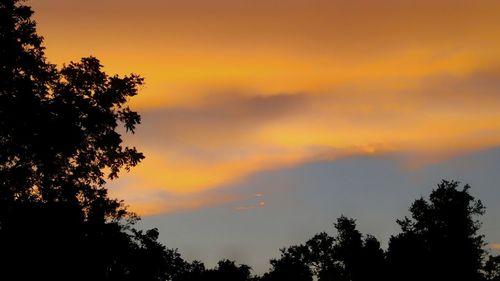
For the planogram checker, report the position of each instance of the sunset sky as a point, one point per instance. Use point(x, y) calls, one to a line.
point(265, 120)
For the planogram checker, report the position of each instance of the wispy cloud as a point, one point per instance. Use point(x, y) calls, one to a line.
point(153, 201)
point(258, 203)
point(222, 140)
point(239, 87)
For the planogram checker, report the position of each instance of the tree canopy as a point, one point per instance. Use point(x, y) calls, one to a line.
point(60, 142)
point(440, 241)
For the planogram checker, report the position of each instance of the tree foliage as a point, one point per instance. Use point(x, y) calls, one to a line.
point(440, 241)
point(347, 256)
point(59, 127)
point(60, 142)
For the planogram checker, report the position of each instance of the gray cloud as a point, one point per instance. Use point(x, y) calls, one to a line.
point(224, 114)
point(481, 86)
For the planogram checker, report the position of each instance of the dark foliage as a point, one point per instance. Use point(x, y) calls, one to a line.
point(347, 256)
point(59, 133)
point(292, 265)
point(441, 240)
point(491, 269)
point(227, 270)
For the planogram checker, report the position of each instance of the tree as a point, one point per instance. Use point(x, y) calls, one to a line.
point(59, 128)
point(347, 256)
point(373, 260)
point(360, 258)
point(348, 248)
point(60, 143)
point(491, 269)
point(291, 266)
point(227, 270)
point(354, 257)
point(441, 240)
point(320, 257)
point(193, 271)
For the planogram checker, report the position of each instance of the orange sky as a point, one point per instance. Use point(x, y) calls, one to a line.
point(239, 87)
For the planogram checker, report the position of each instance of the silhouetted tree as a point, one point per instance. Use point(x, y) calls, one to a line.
point(359, 259)
point(346, 256)
point(290, 266)
point(491, 269)
point(373, 260)
point(151, 260)
point(348, 248)
point(59, 143)
point(440, 241)
point(191, 272)
point(227, 270)
point(320, 256)
point(59, 128)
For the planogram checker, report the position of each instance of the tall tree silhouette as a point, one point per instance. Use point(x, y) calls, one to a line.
point(348, 256)
point(360, 259)
point(59, 145)
point(58, 127)
point(440, 241)
point(321, 257)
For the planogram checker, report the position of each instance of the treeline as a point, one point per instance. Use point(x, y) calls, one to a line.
point(60, 144)
point(439, 241)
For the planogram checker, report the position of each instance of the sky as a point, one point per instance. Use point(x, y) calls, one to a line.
point(265, 120)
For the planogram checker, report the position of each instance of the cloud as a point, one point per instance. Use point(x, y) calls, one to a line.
point(223, 138)
point(251, 207)
point(186, 48)
point(477, 88)
point(153, 201)
point(260, 203)
point(223, 115)
point(235, 88)
point(495, 246)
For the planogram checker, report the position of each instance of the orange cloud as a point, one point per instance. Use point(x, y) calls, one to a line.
point(495, 246)
point(223, 140)
point(186, 48)
point(153, 202)
point(238, 87)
